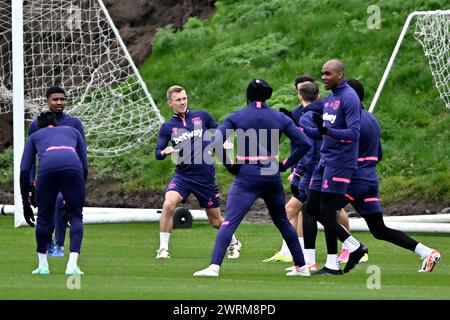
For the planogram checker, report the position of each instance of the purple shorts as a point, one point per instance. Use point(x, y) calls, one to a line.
point(363, 193)
point(300, 191)
point(206, 191)
point(331, 180)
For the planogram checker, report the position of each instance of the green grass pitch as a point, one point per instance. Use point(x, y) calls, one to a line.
point(119, 262)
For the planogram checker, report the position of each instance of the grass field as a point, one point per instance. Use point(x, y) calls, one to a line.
point(119, 262)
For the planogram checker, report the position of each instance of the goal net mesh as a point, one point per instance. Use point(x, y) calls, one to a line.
point(433, 33)
point(71, 44)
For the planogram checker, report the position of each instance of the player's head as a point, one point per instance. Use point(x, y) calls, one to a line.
point(177, 99)
point(258, 90)
point(332, 73)
point(56, 97)
point(358, 87)
point(301, 79)
point(46, 119)
point(308, 91)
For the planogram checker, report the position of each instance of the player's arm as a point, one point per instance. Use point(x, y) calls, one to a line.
point(380, 149)
point(303, 122)
point(310, 129)
point(217, 144)
point(287, 113)
point(32, 129)
point(352, 109)
point(300, 142)
point(82, 154)
point(79, 126)
point(210, 122)
point(380, 152)
point(26, 163)
point(162, 150)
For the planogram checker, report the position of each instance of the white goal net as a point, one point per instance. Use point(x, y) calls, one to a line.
point(433, 33)
point(74, 44)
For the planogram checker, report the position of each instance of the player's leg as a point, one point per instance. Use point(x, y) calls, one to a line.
point(301, 196)
point(208, 196)
point(328, 219)
point(292, 208)
point(46, 191)
point(293, 212)
point(334, 187)
point(73, 192)
point(308, 223)
point(51, 231)
point(310, 218)
point(176, 192)
point(171, 200)
point(241, 196)
point(60, 226)
point(380, 231)
point(311, 215)
point(342, 219)
point(216, 219)
point(274, 199)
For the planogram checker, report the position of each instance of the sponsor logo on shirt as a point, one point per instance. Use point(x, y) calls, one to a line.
point(188, 135)
point(329, 117)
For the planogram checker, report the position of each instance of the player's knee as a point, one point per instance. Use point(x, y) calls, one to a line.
point(378, 233)
point(289, 208)
point(291, 211)
point(169, 207)
point(376, 226)
point(216, 222)
point(378, 230)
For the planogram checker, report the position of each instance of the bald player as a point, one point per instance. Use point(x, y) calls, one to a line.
point(340, 128)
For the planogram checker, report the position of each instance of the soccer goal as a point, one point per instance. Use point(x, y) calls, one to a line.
point(433, 33)
point(73, 44)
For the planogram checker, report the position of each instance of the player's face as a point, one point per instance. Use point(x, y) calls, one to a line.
point(330, 76)
point(56, 102)
point(178, 101)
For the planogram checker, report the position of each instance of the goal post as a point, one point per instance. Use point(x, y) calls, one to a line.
point(18, 104)
point(73, 44)
point(433, 33)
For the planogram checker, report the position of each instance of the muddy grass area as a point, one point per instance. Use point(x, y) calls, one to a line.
point(108, 192)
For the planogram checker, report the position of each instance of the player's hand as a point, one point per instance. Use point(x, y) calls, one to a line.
point(282, 167)
point(287, 113)
point(291, 176)
point(168, 151)
point(317, 119)
point(32, 194)
point(28, 214)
